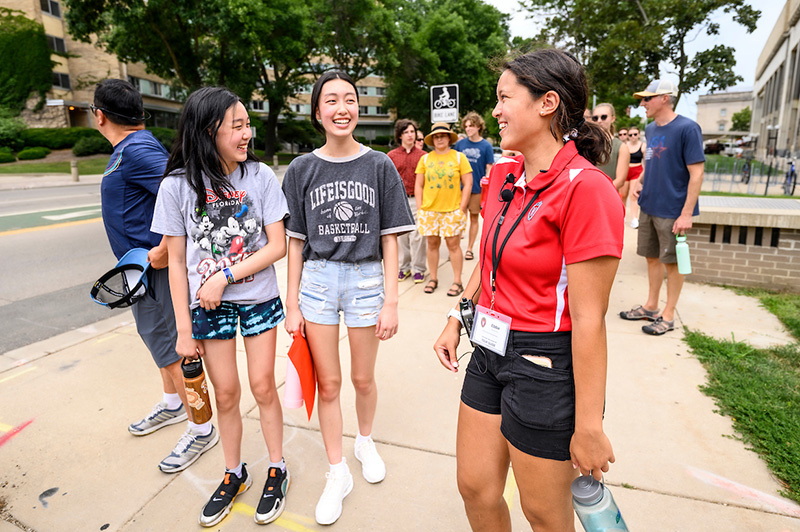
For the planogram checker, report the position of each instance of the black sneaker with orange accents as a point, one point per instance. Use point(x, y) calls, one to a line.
point(220, 503)
point(273, 499)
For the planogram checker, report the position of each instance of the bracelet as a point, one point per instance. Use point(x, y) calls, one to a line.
point(455, 314)
point(228, 275)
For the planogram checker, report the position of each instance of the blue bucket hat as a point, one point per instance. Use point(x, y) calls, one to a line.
point(126, 283)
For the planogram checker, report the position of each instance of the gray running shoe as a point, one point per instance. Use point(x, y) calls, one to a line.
point(188, 450)
point(160, 417)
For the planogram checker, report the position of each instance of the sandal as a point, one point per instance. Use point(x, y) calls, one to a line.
point(468, 255)
point(659, 327)
point(431, 286)
point(455, 289)
point(639, 313)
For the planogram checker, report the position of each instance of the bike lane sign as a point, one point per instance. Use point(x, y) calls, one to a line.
point(444, 103)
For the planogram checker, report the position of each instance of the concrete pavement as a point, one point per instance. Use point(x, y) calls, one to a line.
point(67, 462)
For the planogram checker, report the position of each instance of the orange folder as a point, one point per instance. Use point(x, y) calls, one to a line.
point(300, 355)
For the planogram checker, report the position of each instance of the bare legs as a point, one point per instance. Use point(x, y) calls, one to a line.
point(655, 278)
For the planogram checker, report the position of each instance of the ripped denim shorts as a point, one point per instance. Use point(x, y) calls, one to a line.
point(355, 289)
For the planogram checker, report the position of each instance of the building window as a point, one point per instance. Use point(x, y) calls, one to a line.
point(723, 112)
point(61, 81)
point(136, 82)
point(363, 110)
point(721, 127)
point(52, 7)
point(156, 88)
point(257, 105)
point(56, 44)
point(380, 91)
point(362, 91)
point(380, 111)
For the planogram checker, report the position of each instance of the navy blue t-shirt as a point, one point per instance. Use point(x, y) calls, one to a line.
point(670, 148)
point(129, 189)
point(479, 154)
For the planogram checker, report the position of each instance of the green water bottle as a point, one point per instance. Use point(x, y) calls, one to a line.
point(682, 251)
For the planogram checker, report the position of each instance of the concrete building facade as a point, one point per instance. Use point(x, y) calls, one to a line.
point(715, 112)
point(776, 121)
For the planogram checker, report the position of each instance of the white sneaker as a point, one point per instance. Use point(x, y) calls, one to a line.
point(329, 507)
point(372, 466)
point(635, 223)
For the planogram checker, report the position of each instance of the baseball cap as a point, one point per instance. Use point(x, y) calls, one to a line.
point(656, 88)
point(126, 283)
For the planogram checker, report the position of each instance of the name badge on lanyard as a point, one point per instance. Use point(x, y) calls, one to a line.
point(491, 329)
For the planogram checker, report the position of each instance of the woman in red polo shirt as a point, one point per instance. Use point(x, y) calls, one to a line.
point(534, 389)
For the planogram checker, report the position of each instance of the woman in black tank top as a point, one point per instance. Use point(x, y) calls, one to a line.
point(635, 146)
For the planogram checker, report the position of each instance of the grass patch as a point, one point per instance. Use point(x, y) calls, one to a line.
point(759, 389)
point(85, 167)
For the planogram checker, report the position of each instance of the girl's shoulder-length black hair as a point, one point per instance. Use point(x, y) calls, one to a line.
point(194, 151)
point(550, 69)
point(316, 93)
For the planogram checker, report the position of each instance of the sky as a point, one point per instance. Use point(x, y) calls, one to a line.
point(747, 46)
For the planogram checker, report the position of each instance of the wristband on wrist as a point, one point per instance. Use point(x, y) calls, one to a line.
point(228, 275)
point(455, 314)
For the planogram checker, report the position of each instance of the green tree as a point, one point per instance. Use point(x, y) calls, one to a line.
point(25, 60)
point(244, 45)
point(741, 121)
point(623, 43)
point(445, 41)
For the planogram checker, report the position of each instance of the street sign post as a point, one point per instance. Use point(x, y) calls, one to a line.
point(444, 103)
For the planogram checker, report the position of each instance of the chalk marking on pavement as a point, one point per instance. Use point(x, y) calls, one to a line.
point(67, 216)
point(783, 506)
point(5, 428)
point(13, 432)
point(510, 489)
point(51, 226)
point(24, 371)
point(282, 521)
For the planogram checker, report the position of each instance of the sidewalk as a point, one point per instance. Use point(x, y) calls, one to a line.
point(73, 466)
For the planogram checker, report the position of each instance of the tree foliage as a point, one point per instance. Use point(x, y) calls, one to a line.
point(442, 42)
point(740, 121)
point(25, 60)
point(624, 43)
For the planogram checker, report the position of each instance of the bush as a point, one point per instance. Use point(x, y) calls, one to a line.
point(10, 129)
point(165, 136)
point(33, 153)
point(383, 140)
point(6, 156)
point(92, 146)
point(57, 138)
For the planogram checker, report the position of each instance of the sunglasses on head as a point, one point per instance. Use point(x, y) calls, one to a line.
point(595, 118)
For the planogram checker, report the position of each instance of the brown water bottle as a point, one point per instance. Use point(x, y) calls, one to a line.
point(194, 380)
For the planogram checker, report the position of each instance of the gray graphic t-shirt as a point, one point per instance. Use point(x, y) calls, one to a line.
point(230, 229)
point(341, 206)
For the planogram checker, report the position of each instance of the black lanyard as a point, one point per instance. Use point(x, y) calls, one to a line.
point(497, 254)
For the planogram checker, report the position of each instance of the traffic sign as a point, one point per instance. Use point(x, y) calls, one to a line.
point(444, 103)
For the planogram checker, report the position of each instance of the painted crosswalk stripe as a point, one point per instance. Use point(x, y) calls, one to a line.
point(67, 216)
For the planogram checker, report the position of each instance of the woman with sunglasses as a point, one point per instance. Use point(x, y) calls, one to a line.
point(634, 171)
point(534, 388)
point(617, 166)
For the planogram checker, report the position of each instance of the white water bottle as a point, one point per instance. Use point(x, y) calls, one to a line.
point(595, 506)
point(682, 252)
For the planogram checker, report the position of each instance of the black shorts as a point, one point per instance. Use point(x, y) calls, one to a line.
point(536, 403)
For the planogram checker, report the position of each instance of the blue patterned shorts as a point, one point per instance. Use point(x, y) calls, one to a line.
point(220, 323)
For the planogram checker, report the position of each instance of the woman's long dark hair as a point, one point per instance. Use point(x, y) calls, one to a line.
point(556, 70)
point(194, 151)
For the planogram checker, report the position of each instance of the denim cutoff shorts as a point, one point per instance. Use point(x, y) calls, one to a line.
point(220, 323)
point(354, 289)
point(536, 404)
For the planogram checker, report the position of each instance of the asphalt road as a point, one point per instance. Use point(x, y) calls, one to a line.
point(55, 248)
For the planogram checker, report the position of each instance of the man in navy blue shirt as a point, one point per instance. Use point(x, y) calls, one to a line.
point(668, 192)
point(128, 195)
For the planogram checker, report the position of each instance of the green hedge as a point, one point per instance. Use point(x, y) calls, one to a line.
point(165, 136)
point(6, 155)
point(92, 146)
point(57, 138)
point(33, 153)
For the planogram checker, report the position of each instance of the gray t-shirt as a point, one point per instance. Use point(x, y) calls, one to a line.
point(341, 206)
point(229, 230)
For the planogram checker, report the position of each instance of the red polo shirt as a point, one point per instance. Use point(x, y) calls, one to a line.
point(578, 216)
point(406, 164)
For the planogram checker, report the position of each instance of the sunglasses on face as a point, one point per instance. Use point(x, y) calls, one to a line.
point(595, 118)
point(633, 134)
point(648, 98)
